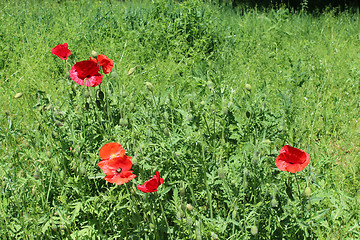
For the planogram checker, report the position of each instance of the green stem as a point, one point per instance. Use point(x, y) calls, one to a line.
point(301, 202)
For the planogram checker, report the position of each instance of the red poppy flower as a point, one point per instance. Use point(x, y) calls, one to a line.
point(111, 150)
point(62, 51)
point(152, 184)
point(115, 164)
point(106, 63)
point(292, 159)
point(86, 73)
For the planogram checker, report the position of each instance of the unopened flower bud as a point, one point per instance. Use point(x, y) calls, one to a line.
point(98, 103)
point(214, 236)
point(18, 95)
point(36, 175)
point(124, 94)
point(182, 191)
point(101, 95)
point(83, 170)
point(189, 117)
point(58, 123)
point(113, 74)
point(254, 230)
point(307, 192)
point(149, 86)
point(123, 122)
point(189, 207)
point(94, 54)
point(274, 203)
point(134, 160)
point(131, 71)
point(152, 226)
point(166, 117)
point(221, 172)
point(248, 87)
point(131, 106)
point(210, 85)
point(189, 220)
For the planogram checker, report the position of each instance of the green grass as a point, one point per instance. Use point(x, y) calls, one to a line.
point(213, 141)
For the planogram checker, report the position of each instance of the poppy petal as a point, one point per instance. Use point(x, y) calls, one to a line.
point(111, 166)
point(111, 149)
point(106, 63)
point(121, 178)
point(86, 73)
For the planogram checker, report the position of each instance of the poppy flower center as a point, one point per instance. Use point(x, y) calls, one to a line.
point(118, 170)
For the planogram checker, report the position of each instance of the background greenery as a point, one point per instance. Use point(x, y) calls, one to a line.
point(212, 139)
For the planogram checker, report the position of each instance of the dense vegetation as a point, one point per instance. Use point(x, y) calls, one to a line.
point(213, 94)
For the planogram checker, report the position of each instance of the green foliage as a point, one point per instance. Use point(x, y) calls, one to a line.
point(206, 95)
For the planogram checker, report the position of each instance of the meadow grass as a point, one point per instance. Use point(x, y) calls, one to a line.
point(213, 138)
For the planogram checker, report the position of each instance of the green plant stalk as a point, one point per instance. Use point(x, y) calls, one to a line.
point(206, 182)
point(162, 211)
point(301, 202)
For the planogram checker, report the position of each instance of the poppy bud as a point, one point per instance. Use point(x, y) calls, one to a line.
point(189, 117)
point(214, 236)
point(114, 74)
point(166, 117)
point(307, 192)
point(210, 85)
point(33, 191)
point(134, 160)
point(54, 227)
point(189, 207)
point(152, 226)
point(123, 122)
point(248, 87)
point(274, 203)
point(131, 71)
point(189, 220)
point(182, 207)
point(101, 95)
point(18, 95)
point(58, 123)
point(254, 230)
point(83, 171)
point(224, 110)
point(94, 54)
point(166, 132)
point(36, 175)
point(56, 168)
point(98, 103)
point(149, 86)
point(131, 106)
point(221, 173)
point(182, 191)
point(48, 154)
point(289, 192)
point(202, 103)
point(124, 94)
